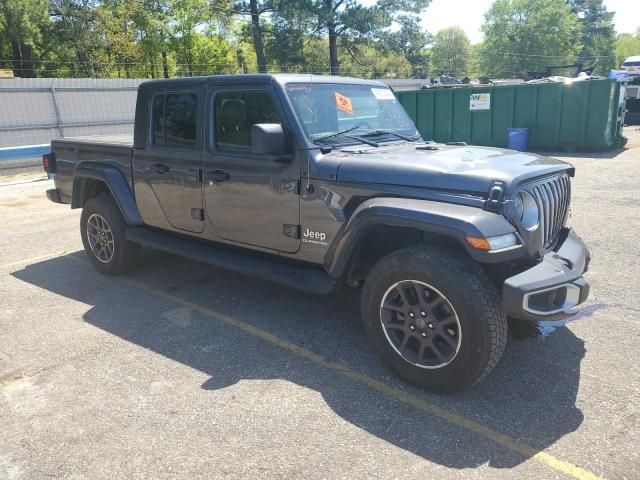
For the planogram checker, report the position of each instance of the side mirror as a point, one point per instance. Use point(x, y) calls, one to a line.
point(268, 138)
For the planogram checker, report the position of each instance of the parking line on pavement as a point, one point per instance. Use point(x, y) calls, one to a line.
point(27, 261)
point(458, 420)
point(523, 449)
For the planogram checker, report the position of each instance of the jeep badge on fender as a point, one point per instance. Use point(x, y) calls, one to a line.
point(309, 236)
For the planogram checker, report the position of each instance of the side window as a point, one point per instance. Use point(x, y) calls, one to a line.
point(157, 120)
point(237, 112)
point(175, 119)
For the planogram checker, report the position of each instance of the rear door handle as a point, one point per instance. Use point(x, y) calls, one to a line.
point(160, 168)
point(219, 176)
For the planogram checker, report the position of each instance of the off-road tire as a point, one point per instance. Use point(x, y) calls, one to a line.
point(124, 251)
point(470, 292)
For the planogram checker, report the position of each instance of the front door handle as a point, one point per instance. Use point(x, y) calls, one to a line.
point(160, 168)
point(219, 176)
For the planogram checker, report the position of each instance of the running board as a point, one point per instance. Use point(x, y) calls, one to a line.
point(303, 278)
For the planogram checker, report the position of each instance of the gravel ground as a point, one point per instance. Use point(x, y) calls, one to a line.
point(179, 370)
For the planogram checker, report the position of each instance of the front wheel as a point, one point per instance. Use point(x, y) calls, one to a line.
point(434, 317)
point(103, 236)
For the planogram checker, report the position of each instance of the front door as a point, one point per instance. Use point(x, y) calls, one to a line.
point(249, 198)
point(168, 171)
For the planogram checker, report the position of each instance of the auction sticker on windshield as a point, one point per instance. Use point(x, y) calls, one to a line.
point(344, 103)
point(383, 94)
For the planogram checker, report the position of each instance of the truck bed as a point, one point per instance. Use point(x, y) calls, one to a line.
point(114, 150)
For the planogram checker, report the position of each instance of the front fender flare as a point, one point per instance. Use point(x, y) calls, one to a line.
point(116, 183)
point(451, 220)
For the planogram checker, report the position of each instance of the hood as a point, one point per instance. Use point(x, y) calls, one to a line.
point(461, 168)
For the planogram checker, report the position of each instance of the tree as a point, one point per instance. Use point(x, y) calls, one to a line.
point(255, 10)
point(410, 42)
point(450, 52)
point(353, 23)
point(374, 62)
point(290, 34)
point(474, 69)
point(163, 38)
point(186, 16)
point(76, 27)
point(598, 33)
point(212, 55)
point(118, 25)
point(627, 45)
point(147, 36)
point(284, 45)
point(21, 28)
point(521, 35)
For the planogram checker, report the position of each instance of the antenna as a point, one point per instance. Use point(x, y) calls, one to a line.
point(307, 188)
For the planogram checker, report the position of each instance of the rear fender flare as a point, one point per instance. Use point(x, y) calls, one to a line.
point(115, 182)
point(451, 220)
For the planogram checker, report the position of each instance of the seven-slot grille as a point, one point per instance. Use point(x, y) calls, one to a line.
point(553, 197)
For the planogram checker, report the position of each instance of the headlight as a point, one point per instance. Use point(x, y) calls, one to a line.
point(527, 210)
point(502, 241)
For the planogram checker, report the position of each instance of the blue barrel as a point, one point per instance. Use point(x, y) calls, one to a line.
point(518, 139)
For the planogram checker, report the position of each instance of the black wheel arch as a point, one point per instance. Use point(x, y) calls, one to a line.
point(413, 222)
point(92, 178)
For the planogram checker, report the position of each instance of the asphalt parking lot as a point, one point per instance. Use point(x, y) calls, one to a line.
point(180, 370)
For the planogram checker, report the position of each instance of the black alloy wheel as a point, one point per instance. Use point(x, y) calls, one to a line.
point(420, 324)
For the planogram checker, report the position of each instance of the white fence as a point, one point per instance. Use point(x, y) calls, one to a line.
point(35, 111)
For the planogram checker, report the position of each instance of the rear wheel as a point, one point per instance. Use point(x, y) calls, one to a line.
point(102, 228)
point(434, 317)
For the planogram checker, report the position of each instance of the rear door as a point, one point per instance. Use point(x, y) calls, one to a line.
point(168, 171)
point(250, 199)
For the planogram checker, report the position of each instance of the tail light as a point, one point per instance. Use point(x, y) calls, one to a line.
point(49, 162)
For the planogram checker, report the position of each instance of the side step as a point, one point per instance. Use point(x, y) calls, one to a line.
point(303, 278)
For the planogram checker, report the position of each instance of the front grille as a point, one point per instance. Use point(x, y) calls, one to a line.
point(553, 197)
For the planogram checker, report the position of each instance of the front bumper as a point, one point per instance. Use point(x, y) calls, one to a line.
point(551, 288)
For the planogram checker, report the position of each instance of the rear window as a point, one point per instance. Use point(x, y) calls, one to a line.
point(174, 120)
point(631, 64)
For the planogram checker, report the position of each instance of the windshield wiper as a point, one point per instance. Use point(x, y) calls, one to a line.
point(375, 133)
point(337, 134)
point(364, 140)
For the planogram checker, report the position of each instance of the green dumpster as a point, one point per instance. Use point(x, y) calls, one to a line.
point(581, 114)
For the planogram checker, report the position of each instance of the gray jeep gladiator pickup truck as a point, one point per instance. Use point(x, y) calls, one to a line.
point(318, 182)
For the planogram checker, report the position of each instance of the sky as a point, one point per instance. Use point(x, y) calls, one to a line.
point(469, 15)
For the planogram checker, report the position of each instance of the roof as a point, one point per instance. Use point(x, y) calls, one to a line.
point(257, 79)
point(635, 58)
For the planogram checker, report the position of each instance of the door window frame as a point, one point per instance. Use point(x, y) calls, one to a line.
point(197, 146)
point(240, 153)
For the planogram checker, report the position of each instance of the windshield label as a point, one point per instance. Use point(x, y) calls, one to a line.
point(344, 103)
point(383, 94)
point(298, 88)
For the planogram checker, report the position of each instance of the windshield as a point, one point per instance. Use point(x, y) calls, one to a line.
point(340, 112)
